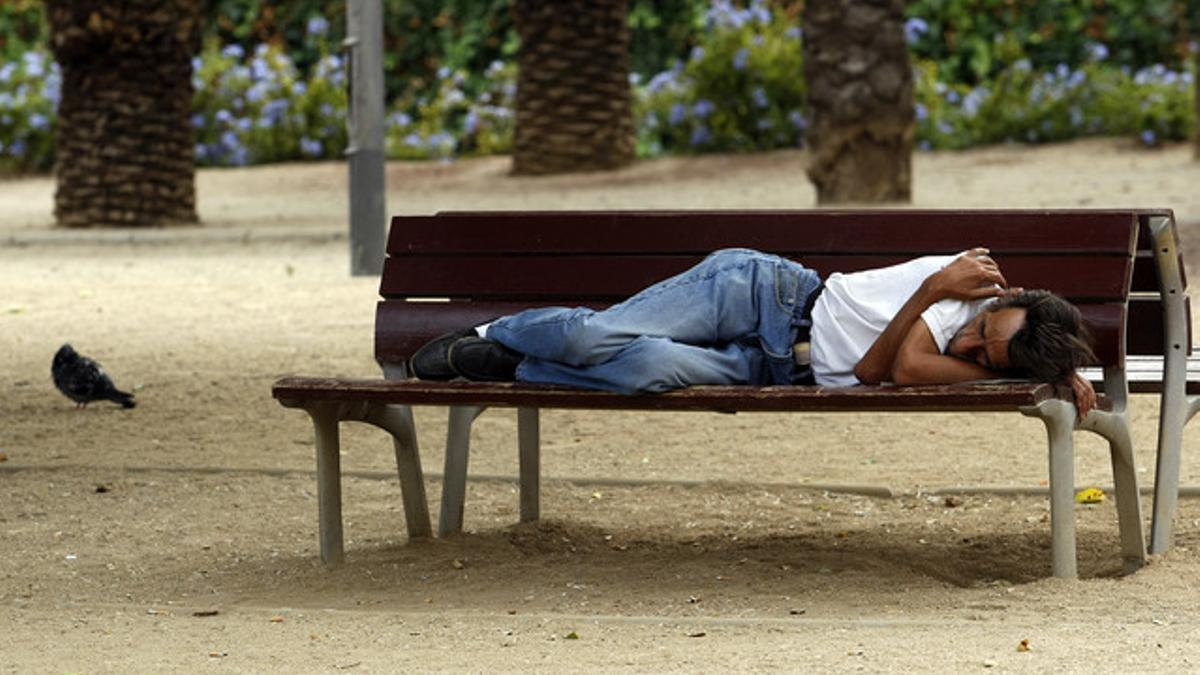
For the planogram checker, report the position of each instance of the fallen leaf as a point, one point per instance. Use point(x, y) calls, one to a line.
point(1023, 646)
point(206, 612)
point(697, 635)
point(277, 619)
point(217, 655)
point(3, 457)
point(1089, 496)
point(798, 612)
point(457, 564)
point(953, 501)
point(571, 636)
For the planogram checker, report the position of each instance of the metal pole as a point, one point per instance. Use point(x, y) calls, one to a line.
point(368, 212)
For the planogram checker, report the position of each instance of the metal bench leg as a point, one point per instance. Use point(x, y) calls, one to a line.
point(528, 442)
point(1115, 428)
point(1059, 418)
point(329, 482)
point(1173, 414)
point(397, 420)
point(454, 477)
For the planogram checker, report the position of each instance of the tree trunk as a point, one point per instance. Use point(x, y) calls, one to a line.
point(124, 147)
point(574, 105)
point(1196, 101)
point(860, 100)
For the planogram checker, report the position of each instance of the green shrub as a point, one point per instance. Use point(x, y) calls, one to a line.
point(741, 88)
point(29, 91)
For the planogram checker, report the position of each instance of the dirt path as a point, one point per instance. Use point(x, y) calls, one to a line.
point(120, 526)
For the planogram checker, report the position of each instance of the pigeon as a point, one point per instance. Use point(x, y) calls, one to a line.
point(83, 380)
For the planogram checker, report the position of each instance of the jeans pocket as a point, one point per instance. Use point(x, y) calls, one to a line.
point(787, 286)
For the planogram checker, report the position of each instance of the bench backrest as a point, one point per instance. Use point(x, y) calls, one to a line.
point(456, 269)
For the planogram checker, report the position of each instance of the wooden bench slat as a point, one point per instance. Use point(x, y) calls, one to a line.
point(905, 232)
point(947, 398)
point(612, 278)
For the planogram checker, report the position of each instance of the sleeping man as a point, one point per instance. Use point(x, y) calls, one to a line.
point(745, 317)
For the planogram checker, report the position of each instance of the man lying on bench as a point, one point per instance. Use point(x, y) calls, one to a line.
point(745, 317)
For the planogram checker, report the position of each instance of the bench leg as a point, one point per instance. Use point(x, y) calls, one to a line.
point(1114, 427)
point(454, 477)
point(1174, 411)
point(1059, 418)
point(329, 483)
point(397, 420)
point(528, 442)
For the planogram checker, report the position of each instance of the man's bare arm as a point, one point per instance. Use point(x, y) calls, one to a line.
point(920, 362)
point(970, 276)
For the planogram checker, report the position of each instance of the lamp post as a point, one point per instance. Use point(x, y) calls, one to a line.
point(368, 212)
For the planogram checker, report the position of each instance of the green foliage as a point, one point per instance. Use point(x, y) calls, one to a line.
point(449, 123)
point(740, 90)
point(22, 28)
point(968, 38)
point(29, 90)
point(258, 108)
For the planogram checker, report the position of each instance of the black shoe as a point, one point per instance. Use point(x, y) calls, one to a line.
point(431, 361)
point(484, 360)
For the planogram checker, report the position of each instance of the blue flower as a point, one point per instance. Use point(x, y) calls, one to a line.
point(697, 53)
point(661, 81)
point(703, 108)
point(1097, 51)
point(318, 26)
point(6, 71)
point(400, 119)
point(260, 69)
point(797, 119)
point(224, 116)
point(634, 80)
point(38, 122)
point(413, 140)
point(35, 65)
point(914, 28)
point(700, 135)
point(678, 114)
point(311, 147)
point(765, 124)
point(794, 33)
point(17, 148)
point(471, 121)
point(1148, 137)
point(201, 151)
point(230, 140)
point(760, 97)
point(275, 110)
point(922, 112)
point(234, 52)
point(741, 59)
point(197, 121)
point(952, 96)
point(924, 146)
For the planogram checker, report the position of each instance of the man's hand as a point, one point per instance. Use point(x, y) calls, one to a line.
point(971, 276)
point(1085, 395)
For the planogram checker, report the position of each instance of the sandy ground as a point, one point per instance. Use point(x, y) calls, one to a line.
point(182, 535)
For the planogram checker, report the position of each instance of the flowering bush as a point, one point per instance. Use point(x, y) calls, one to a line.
point(1022, 105)
point(740, 89)
point(29, 92)
point(256, 108)
point(449, 124)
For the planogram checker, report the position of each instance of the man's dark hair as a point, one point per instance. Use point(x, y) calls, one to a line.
point(1052, 342)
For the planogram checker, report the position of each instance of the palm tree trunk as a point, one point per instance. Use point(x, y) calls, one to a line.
point(1196, 101)
point(124, 147)
point(574, 105)
point(860, 99)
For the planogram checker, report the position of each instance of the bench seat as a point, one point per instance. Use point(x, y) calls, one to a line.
point(928, 398)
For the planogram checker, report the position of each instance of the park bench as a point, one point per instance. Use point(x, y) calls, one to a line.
point(452, 270)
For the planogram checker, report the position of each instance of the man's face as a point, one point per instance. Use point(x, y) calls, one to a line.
point(984, 339)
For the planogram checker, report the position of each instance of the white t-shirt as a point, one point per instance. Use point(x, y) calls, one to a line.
point(856, 308)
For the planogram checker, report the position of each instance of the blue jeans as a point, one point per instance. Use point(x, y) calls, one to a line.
point(731, 319)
